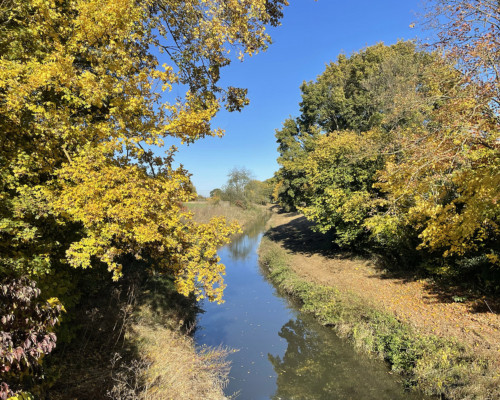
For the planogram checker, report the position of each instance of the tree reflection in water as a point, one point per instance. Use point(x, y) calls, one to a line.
point(239, 249)
point(317, 365)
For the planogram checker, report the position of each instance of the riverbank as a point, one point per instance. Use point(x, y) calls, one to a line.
point(440, 347)
point(134, 342)
point(135, 337)
point(203, 211)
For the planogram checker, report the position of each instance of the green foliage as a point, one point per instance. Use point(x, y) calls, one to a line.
point(216, 193)
point(242, 190)
point(258, 192)
point(398, 150)
point(290, 178)
point(340, 173)
point(363, 91)
point(376, 89)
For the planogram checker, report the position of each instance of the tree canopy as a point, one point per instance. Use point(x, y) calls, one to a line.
point(397, 148)
point(86, 90)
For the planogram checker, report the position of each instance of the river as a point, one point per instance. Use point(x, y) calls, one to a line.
point(284, 354)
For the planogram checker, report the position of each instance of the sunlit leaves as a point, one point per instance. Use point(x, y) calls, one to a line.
point(400, 148)
point(81, 103)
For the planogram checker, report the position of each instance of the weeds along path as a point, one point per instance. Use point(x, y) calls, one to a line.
point(419, 303)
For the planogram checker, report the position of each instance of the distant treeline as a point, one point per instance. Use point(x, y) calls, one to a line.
point(396, 149)
point(242, 190)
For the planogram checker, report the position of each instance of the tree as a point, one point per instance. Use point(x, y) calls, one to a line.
point(215, 193)
point(293, 147)
point(340, 174)
point(469, 32)
point(380, 87)
point(78, 106)
point(362, 92)
point(330, 154)
point(444, 181)
point(79, 111)
point(234, 189)
point(257, 192)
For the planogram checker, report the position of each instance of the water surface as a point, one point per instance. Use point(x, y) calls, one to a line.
point(284, 354)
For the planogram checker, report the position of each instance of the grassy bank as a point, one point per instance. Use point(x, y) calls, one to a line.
point(133, 342)
point(428, 363)
point(132, 338)
point(169, 366)
point(203, 211)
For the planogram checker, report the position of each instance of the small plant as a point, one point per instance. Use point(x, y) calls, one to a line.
point(459, 299)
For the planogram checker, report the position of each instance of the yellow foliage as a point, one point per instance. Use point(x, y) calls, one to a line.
point(81, 105)
point(445, 179)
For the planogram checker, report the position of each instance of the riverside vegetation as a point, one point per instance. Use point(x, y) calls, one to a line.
point(396, 156)
point(91, 94)
point(140, 339)
point(395, 152)
point(428, 363)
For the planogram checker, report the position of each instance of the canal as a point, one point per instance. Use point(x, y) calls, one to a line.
point(282, 353)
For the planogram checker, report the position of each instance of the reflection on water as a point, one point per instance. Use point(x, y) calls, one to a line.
point(282, 353)
point(318, 365)
point(241, 247)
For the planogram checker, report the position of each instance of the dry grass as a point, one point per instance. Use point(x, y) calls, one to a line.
point(167, 364)
point(203, 211)
point(138, 347)
point(175, 370)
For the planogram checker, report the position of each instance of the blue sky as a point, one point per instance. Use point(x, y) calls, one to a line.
point(312, 34)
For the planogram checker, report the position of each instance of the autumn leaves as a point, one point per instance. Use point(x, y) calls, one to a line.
point(396, 149)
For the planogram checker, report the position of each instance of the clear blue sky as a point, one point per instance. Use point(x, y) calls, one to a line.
point(312, 34)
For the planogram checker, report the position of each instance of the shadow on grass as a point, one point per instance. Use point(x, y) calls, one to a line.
point(297, 236)
point(100, 359)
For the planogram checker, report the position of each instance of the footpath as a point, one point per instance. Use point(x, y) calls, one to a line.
point(422, 304)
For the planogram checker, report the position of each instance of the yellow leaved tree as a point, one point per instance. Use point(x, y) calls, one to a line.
point(86, 90)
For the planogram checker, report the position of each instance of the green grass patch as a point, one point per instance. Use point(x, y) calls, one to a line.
point(433, 365)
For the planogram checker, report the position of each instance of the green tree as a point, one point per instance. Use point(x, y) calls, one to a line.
point(216, 193)
point(293, 147)
point(340, 174)
point(363, 91)
point(330, 154)
point(257, 192)
point(234, 189)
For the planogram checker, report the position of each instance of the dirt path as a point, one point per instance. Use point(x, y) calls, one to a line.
point(416, 302)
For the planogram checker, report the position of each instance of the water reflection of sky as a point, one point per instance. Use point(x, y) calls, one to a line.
point(283, 354)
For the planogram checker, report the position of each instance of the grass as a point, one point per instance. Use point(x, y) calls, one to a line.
point(171, 367)
point(134, 343)
point(433, 365)
point(203, 211)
